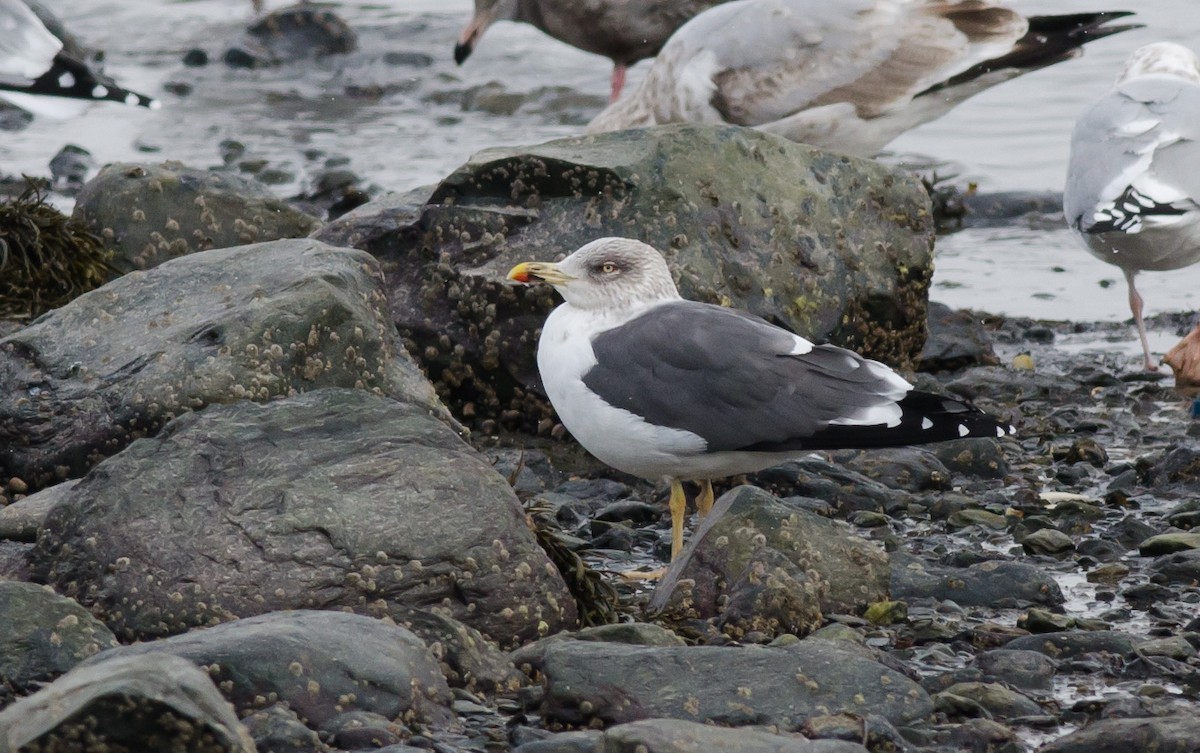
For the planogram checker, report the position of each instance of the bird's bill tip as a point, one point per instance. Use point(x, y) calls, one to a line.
point(537, 271)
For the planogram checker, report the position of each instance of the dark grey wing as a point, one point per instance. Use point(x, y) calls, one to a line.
point(741, 383)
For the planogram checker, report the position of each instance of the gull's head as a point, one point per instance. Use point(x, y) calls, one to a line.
point(1165, 58)
point(609, 273)
point(486, 13)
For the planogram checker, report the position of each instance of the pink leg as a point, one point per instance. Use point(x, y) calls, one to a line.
point(1135, 305)
point(618, 81)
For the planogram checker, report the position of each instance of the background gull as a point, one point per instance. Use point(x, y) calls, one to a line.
point(625, 31)
point(850, 75)
point(1133, 180)
point(661, 387)
point(38, 75)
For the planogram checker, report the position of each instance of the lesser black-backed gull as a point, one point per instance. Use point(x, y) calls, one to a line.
point(661, 387)
point(850, 75)
point(37, 75)
point(1133, 180)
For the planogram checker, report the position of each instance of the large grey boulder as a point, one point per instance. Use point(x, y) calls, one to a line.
point(678, 736)
point(154, 702)
point(148, 213)
point(334, 499)
point(320, 664)
point(830, 246)
point(249, 323)
point(1168, 734)
point(760, 564)
point(612, 683)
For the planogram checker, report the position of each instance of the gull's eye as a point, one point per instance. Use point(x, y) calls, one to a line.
point(608, 268)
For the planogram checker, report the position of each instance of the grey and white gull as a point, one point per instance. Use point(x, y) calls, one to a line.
point(1133, 179)
point(624, 31)
point(665, 388)
point(38, 75)
point(850, 75)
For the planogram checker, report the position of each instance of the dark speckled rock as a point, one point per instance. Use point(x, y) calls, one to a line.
point(760, 564)
point(1171, 734)
point(991, 583)
point(613, 683)
point(679, 736)
point(334, 499)
point(43, 635)
point(151, 213)
point(830, 246)
point(155, 702)
point(248, 323)
point(320, 663)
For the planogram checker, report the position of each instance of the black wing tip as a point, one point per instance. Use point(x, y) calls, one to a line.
point(73, 79)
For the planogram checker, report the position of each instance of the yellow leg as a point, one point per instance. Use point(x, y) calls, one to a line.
point(677, 504)
point(704, 501)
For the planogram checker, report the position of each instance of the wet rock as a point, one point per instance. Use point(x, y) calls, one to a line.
point(584, 741)
point(990, 583)
point(69, 169)
point(680, 736)
point(1170, 734)
point(469, 660)
point(957, 339)
point(154, 702)
point(912, 469)
point(333, 499)
point(1180, 567)
point(613, 684)
point(1047, 541)
point(319, 663)
point(993, 699)
point(721, 202)
point(758, 564)
point(976, 517)
point(14, 560)
point(1177, 468)
point(278, 729)
point(870, 730)
point(977, 458)
point(528, 658)
point(148, 213)
point(43, 635)
point(363, 730)
point(1044, 621)
point(301, 32)
point(1075, 643)
point(818, 479)
point(1168, 543)
point(21, 520)
point(249, 323)
point(1175, 647)
point(981, 736)
point(1109, 574)
point(1028, 670)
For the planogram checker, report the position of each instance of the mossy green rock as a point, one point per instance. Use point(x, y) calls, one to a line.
point(832, 247)
point(148, 213)
point(254, 322)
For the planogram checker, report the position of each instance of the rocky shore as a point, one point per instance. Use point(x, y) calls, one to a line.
point(290, 484)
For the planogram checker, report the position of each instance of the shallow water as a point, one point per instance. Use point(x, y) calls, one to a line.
point(416, 116)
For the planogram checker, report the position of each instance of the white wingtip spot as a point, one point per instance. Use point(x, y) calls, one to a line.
point(963, 430)
point(155, 104)
point(131, 99)
point(100, 92)
point(1000, 431)
point(66, 80)
point(926, 423)
point(800, 347)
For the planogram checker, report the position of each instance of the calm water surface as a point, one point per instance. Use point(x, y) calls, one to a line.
point(418, 116)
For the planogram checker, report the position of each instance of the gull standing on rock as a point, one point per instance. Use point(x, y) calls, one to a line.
point(1133, 180)
point(625, 31)
point(662, 387)
point(37, 75)
point(850, 75)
